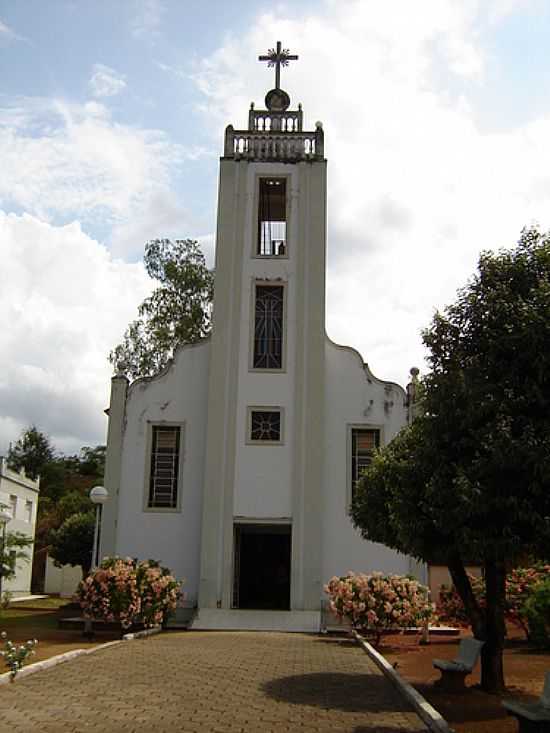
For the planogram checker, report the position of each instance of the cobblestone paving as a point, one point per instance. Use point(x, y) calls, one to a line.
point(210, 682)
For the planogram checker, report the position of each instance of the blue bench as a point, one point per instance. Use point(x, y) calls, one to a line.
point(454, 672)
point(532, 717)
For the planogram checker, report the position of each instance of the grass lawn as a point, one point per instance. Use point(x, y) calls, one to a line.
point(472, 711)
point(38, 619)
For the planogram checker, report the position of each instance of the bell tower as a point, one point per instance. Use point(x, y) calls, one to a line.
point(262, 513)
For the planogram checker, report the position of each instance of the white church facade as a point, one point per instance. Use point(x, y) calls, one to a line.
point(235, 466)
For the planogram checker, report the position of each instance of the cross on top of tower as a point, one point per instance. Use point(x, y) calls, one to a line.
point(278, 57)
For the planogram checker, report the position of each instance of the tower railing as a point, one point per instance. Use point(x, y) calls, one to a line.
point(271, 145)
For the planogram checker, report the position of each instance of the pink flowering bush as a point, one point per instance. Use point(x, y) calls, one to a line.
point(520, 586)
point(450, 607)
point(376, 602)
point(158, 591)
point(129, 592)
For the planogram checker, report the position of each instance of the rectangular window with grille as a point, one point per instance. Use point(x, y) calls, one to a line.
point(272, 218)
point(363, 443)
point(163, 483)
point(268, 327)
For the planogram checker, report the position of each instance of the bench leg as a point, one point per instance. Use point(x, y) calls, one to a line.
point(452, 681)
point(531, 726)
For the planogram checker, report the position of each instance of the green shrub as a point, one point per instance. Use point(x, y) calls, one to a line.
point(537, 611)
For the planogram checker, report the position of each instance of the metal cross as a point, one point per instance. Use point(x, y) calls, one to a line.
point(278, 58)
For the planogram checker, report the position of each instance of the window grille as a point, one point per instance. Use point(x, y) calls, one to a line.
point(265, 426)
point(272, 217)
point(163, 486)
point(268, 327)
point(363, 443)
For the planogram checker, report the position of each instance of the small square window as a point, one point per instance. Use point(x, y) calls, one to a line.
point(265, 425)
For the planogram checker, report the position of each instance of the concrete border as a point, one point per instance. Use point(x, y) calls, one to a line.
point(142, 634)
point(429, 714)
point(74, 653)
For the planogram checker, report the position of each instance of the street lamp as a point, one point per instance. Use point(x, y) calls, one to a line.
point(98, 496)
point(5, 517)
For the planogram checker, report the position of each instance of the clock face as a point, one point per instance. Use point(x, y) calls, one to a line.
point(277, 100)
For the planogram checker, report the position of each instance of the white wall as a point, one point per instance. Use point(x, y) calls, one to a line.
point(61, 581)
point(25, 489)
point(171, 537)
point(349, 391)
point(263, 478)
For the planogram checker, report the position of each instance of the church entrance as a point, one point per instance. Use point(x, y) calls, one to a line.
point(262, 566)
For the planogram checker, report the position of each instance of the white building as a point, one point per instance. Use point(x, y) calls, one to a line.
point(235, 466)
point(19, 495)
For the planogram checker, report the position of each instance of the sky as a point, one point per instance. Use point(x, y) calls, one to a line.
point(437, 121)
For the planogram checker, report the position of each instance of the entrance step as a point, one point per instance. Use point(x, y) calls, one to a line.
point(181, 619)
point(236, 619)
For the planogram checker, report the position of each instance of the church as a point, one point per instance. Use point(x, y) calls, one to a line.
point(235, 466)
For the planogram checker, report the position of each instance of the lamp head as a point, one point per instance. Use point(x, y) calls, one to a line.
point(99, 495)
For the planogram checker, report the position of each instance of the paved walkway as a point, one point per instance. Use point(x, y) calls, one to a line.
point(210, 682)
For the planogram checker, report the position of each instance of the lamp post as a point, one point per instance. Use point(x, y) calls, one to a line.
point(5, 517)
point(98, 496)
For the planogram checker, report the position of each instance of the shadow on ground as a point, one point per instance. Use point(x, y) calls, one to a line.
point(354, 693)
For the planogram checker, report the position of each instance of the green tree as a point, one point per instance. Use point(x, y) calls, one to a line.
point(177, 312)
point(33, 451)
point(71, 544)
point(12, 551)
point(471, 476)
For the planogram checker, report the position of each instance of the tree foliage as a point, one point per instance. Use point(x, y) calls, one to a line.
point(12, 551)
point(72, 543)
point(33, 451)
point(470, 478)
point(177, 312)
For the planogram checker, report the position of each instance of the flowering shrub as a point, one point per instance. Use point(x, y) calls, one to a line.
point(130, 592)
point(450, 607)
point(14, 656)
point(520, 585)
point(158, 591)
point(377, 602)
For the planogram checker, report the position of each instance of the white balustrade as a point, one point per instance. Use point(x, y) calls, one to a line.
point(270, 145)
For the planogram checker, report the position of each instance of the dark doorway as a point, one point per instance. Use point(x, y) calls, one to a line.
point(262, 566)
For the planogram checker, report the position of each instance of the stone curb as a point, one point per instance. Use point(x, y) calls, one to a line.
point(142, 634)
point(73, 654)
point(429, 714)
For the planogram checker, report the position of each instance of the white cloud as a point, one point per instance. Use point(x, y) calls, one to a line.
point(146, 22)
point(9, 34)
point(416, 188)
point(106, 82)
point(61, 159)
point(65, 303)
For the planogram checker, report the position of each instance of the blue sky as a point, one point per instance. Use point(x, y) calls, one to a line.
point(436, 115)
